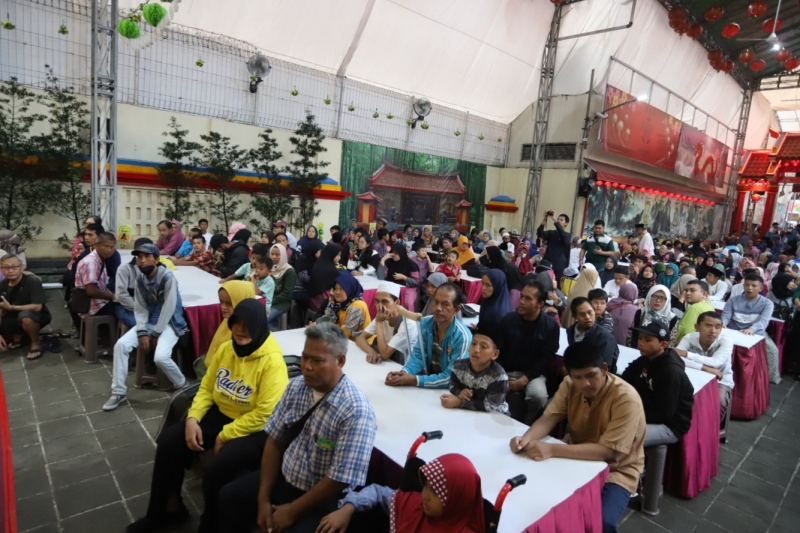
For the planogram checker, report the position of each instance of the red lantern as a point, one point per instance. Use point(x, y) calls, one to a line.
point(714, 13)
point(558, 1)
point(726, 66)
point(746, 56)
point(730, 31)
point(758, 66)
point(771, 26)
point(791, 63)
point(695, 31)
point(714, 55)
point(677, 13)
point(756, 9)
point(756, 197)
point(782, 55)
point(599, 183)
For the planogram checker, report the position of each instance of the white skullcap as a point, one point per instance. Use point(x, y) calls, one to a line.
point(506, 234)
point(390, 288)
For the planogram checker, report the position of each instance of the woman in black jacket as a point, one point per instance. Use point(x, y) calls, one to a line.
point(234, 254)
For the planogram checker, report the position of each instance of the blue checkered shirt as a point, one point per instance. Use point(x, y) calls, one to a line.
point(336, 441)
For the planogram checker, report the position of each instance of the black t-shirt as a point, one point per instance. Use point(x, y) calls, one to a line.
point(28, 291)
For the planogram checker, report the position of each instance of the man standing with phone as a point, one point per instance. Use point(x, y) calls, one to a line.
point(558, 243)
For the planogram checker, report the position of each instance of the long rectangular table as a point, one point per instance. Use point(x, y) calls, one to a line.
point(560, 495)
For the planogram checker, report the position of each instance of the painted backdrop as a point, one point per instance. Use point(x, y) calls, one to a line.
point(360, 161)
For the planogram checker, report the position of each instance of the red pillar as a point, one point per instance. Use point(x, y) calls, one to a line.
point(741, 200)
point(769, 208)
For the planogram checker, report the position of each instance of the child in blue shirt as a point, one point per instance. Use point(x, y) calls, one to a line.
point(260, 277)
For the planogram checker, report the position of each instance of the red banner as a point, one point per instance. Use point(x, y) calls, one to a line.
point(640, 131)
point(701, 157)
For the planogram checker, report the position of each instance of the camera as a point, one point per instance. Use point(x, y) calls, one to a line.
point(551, 213)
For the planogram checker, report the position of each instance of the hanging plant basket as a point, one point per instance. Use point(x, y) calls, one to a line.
point(351, 107)
point(409, 122)
point(424, 126)
point(294, 90)
point(153, 14)
point(390, 116)
point(63, 28)
point(499, 139)
point(7, 25)
point(456, 133)
point(327, 100)
point(200, 62)
point(481, 137)
point(376, 114)
point(128, 28)
point(254, 78)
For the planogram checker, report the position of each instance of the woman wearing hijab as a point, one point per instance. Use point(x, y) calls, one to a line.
point(587, 280)
point(556, 300)
point(304, 267)
point(524, 260)
point(495, 303)
point(399, 268)
point(670, 275)
point(656, 307)
point(345, 307)
point(223, 417)
point(623, 310)
point(243, 236)
point(428, 237)
point(676, 291)
point(607, 274)
point(782, 291)
point(230, 295)
point(323, 275)
point(494, 255)
point(433, 282)
point(311, 235)
point(466, 257)
point(285, 279)
point(645, 281)
point(364, 259)
point(701, 270)
point(234, 229)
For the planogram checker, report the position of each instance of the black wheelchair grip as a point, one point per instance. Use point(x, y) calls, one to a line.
point(433, 435)
point(516, 481)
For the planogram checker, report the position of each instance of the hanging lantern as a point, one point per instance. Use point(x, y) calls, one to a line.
point(730, 31)
point(128, 29)
point(599, 183)
point(714, 55)
point(782, 55)
point(746, 56)
point(726, 66)
point(771, 26)
point(758, 66)
point(714, 13)
point(695, 31)
point(153, 14)
point(756, 196)
point(791, 63)
point(756, 9)
point(683, 27)
point(557, 1)
point(677, 13)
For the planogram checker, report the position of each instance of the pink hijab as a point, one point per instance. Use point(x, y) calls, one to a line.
point(623, 310)
point(234, 228)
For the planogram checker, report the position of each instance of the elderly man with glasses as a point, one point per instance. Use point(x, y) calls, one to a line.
point(22, 303)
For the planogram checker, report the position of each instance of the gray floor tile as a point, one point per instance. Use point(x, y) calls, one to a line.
point(94, 388)
point(675, 518)
point(773, 474)
point(82, 497)
point(785, 450)
point(138, 505)
point(151, 409)
point(152, 426)
point(47, 397)
point(704, 526)
point(72, 471)
point(21, 417)
point(56, 411)
point(121, 435)
point(19, 401)
point(47, 366)
point(28, 457)
point(749, 502)
point(24, 436)
point(132, 455)
point(31, 481)
point(106, 419)
point(71, 447)
point(735, 520)
point(58, 381)
point(15, 387)
point(788, 518)
point(73, 425)
point(135, 480)
point(113, 518)
point(730, 458)
point(35, 511)
point(638, 523)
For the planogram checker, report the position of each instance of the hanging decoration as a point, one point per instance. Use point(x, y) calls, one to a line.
point(424, 126)
point(791, 63)
point(714, 55)
point(153, 14)
point(294, 90)
point(695, 31)
point(758, 66)
point(756, 9)
point(390, 116)
point(156, 15)
point(730, 31)
point(557, 1)
point(63, 28)
point(782, 55)
point(327, 100)
point(351, 107)
point(200, 62)
point(7, 25)
point(376, 114)
point(128, 28)
point(726, 66)
point(771, 26)
point(457, 132)
point(655, 192)
point(499, 139)
point(677, 13)
point(481, 137)
point(409, 122)
point(714, 13)
point(746, 56)
point(680, 26)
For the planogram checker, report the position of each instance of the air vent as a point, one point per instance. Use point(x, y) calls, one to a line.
point(553, 152)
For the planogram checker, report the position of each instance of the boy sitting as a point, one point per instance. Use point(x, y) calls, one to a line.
point(200, 257)
point(621, 277)
point(599, 300)
point(264, 282)
point(478, 383)
point(243, 272)
point(449, 268)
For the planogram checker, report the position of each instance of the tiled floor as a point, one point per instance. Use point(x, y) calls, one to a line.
point(77, 468)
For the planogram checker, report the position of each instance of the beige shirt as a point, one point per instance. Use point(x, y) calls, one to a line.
point(614, 419)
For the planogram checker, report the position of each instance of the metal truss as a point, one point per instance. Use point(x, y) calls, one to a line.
point(738, 147)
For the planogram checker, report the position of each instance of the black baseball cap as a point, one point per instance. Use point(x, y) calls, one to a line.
point(656, 328)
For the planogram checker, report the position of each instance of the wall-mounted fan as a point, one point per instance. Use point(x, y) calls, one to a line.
point(422, 108)
point(258, 66)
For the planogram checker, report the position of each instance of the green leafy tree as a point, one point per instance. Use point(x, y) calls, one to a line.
point(21, 186)
point(272, 200)
point(64, 149)
point(307, 169)
point(179, 182)
point(221, 159)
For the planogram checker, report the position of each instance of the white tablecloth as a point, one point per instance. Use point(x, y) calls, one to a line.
point(403, 413)
point(197, 287)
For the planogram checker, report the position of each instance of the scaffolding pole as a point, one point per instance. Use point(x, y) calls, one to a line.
point(738, 147)
point(104, 111)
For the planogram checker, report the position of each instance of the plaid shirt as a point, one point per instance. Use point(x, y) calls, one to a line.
point(336, 441)
point(90, 271)
point(205, 261)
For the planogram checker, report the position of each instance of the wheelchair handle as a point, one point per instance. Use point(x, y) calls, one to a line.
point(433, 435)
point(425, 437)
point(510, 485)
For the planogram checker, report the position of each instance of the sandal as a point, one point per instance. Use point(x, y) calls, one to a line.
point(38, 354)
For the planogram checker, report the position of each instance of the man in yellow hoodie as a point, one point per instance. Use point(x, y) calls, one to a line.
point(245, 380)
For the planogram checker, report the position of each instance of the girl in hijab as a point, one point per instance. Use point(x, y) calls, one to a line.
point(351, 239)
point(230, 295)
point(623, 309)
point(607, 274)
point(416, 235)
point(285, 279)
point(268, 238)
point(524, 260)
point(645, 281)
point(587, 280)
point(445, 245)
point(325, 273)
point(346, 308)
point(495, 303)
point(233, 230)
point(304, 268)
point(230, 424)
point(704, 266)
point(243, 236)
point(427, 236)
point(783, 286)
point(466, 257)
point(450, 501)
point(656, 307)
point(399, 268)
point(364, 259)
point(670, 275)
point(494, 255)
point(311, 235)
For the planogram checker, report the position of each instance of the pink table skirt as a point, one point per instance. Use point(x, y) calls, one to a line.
point(203, 323)
point(692, 462)
point(777, 333)
point(583, 511)
point(472, 290)
point(751, 382)
point(369, 298)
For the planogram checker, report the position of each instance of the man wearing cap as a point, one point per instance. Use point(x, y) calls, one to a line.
point(281, 227)
point(558, 243)
point(125, 288)
point(646, 246)
point(394, 335)
point(598, 247)
point(717, 283)
point(659, 376)
point(159, 323)
point(507, 246)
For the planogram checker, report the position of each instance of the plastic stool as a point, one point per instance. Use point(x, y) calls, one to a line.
point(90, 337)
point(122, 329)
point(159, 379)
point(283, 322)
point(655, 458)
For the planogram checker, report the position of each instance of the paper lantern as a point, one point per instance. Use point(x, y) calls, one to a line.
point(714, 13)
point(557, 1)
point(730, 31)
point(714, 55)
point(782, 55)
point(599, 183)
point(695, 31)
point(726, 66)
point(128, 29)
point(756, 9)
point(746, 56)
point(677, 13)
point(680, 26)
point(791, 63)
point(758, 66)
point(756, 197)
point(153, 14)
point(771, 26)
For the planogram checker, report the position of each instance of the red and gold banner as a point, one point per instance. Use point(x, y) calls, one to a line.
point(701, 157)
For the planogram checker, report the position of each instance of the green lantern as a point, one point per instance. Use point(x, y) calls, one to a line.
point(128, 29)
point(154, 14)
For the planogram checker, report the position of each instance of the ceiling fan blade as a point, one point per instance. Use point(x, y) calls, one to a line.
point(764, 40)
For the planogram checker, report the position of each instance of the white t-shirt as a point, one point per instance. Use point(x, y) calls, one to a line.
point(612, 290)
point(207, 237)
point(716, 293)
point(396, 340)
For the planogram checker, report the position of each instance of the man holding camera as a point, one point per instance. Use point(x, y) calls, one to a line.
point(558, 243)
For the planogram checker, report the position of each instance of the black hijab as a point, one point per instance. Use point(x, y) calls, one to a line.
point(251, 312)
point(496, 259)
point(308, 257)
point(243, 235)
point(701, 270)
point(513, 277)
point(607, 275)
point(404, 266)
point(780, 286)
point(324, 273)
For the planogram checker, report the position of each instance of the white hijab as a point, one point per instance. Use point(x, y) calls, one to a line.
point(665, 315)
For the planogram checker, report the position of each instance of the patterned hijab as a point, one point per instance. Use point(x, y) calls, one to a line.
point(649, 314)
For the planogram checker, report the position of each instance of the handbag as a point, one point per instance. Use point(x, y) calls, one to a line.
point(782, 312)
